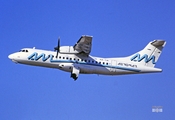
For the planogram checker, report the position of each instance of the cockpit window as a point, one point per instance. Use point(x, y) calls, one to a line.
point(23, 50)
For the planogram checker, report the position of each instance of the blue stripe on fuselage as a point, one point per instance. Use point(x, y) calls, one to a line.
point(94, 64)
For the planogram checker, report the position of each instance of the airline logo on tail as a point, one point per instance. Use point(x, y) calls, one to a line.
point(138, 58)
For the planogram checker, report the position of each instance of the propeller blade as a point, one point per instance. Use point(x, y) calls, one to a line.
point(58, 47)
point(58, 44)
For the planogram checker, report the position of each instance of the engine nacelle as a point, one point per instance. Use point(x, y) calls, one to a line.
point(68, 49)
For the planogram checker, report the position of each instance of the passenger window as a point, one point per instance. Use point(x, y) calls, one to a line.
point(63, 57)
point(74, 59)
point(96, 62)
point(89, 61)
point(70, 58)
point(26, 50)
point(85, 60)
point(67, 58)
point(103, 62)
point(60, 57)
point(106, 63)
point(78, 59)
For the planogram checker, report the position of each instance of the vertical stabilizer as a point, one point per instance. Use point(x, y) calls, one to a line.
point(150, 54)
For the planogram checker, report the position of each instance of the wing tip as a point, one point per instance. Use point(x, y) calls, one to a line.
point(87, 36)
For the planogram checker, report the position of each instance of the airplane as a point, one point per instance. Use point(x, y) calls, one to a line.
point(77, 59)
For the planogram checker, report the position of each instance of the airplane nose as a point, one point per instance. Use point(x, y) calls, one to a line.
point(10, 56)
point(13, 57)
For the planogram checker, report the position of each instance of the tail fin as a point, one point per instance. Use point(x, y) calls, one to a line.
point(150, 54)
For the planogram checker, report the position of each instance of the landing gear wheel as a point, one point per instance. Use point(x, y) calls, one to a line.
point(74, 76)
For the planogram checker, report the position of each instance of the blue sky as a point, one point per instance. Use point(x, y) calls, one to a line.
point(119, 28)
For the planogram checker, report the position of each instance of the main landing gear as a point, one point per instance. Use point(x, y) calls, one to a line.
point(74, 76)
point(75, 72)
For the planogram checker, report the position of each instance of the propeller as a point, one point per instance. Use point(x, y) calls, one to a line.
point(57, 48)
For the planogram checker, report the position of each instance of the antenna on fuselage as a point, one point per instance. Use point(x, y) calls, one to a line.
point(57, 48)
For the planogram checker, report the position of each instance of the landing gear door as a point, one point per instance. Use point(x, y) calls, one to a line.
point(75, 72)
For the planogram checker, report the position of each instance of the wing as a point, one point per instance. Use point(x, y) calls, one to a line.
point(84, 45)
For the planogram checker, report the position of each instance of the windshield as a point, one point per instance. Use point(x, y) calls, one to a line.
point(23, 50)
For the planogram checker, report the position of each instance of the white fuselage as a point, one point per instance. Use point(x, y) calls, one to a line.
point(86, 64)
